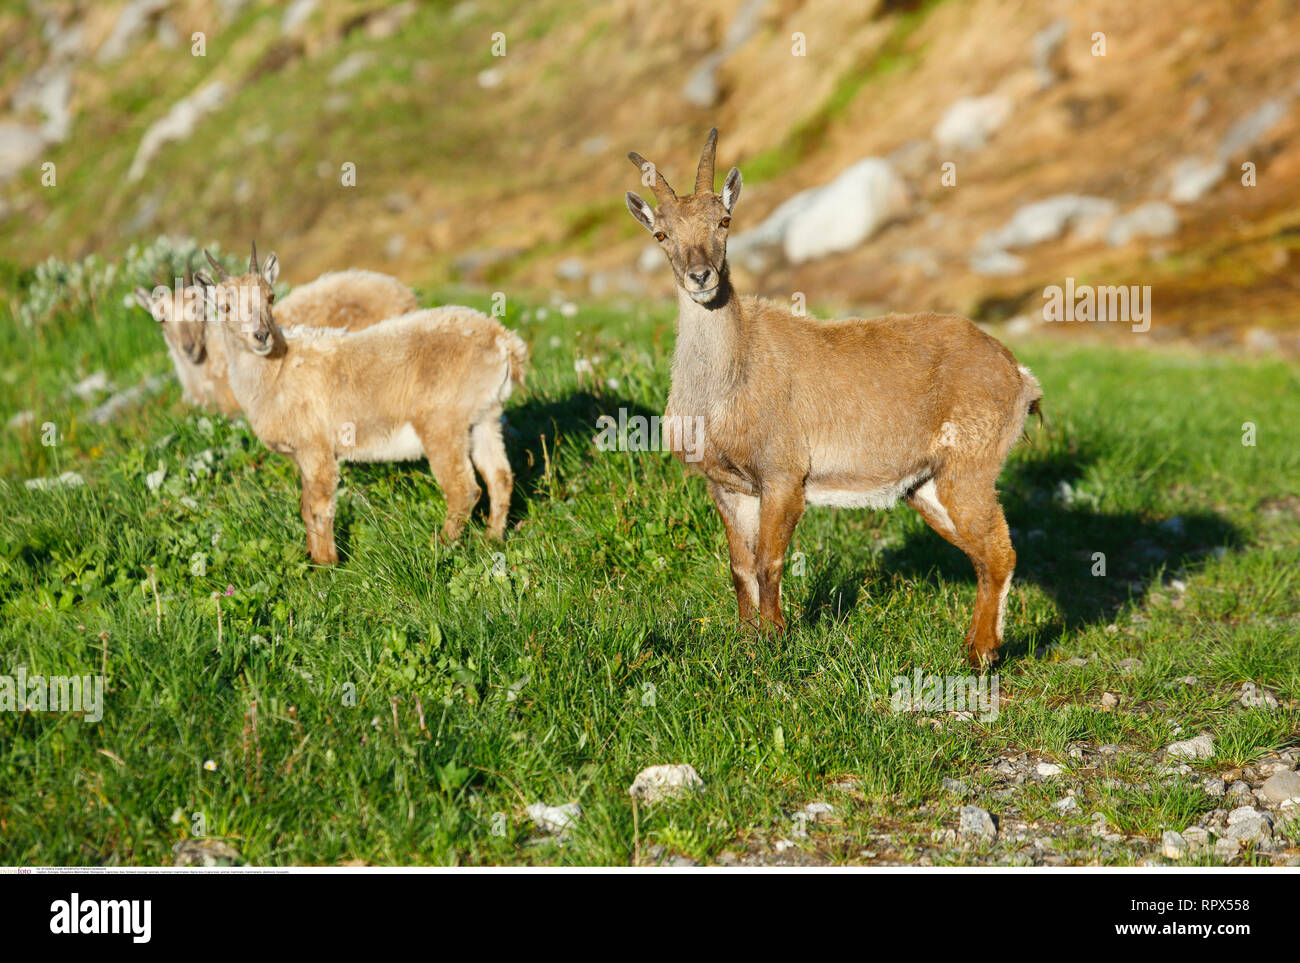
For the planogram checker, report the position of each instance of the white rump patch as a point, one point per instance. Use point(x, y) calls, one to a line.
point(879, 498)
point(400, 445)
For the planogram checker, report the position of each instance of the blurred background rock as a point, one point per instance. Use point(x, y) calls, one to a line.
point(509, 171)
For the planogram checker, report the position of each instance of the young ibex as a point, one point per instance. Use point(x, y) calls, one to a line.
point(848, 413)
point(200, 367)
point(429, 383)
point(340, 299)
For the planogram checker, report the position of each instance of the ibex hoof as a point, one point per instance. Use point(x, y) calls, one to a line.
point(981, 659)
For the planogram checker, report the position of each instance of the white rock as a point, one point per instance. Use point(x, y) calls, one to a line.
point(816, 810)
point(1196, 837)
point(846, 211)
point(153, 481)
point(1191, 178)
point(1172, 845)
point(69, 479)
point(1282, 786)
point(178, 124)
point(1249, 825)
point(556, 820)
point(1049, 59)
point(1048, 219)
point(20, 147)
point(1225, 847)
point(297, 14)
point(968, 123)
point(1256, 697)
point(1152, 219)
point(492, 77)
point(350, 66)
point(1047, 769)
point(976, 823)
point(1067, 805)
point(652, 259)
point(749, 247)
point(571, 269)
point(1200, 747)
point(702, 86)
point(995, 263)
point(49, 91)
point(1247, 133)
point(665, 782)
point(91, 385)
point(131, 25)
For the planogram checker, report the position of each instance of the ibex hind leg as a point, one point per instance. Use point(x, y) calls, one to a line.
point(487, 450)
point(963, 507)
point(446, 445)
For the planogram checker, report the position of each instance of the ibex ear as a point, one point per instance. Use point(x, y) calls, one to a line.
point(641, 211)
point(731, 189)
point(271, 268)
point(208, 286)
point(143, 299)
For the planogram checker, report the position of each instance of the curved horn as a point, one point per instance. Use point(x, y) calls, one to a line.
point(189, 270)
point(222, 273)
point(704, 175)
point(252, 261)
point(658, 183)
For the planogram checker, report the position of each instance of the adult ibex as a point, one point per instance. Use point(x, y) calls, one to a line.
point(850, 413)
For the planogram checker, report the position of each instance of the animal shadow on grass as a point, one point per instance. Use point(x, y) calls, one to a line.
point(1056, 538)
point(534, 427)
point(530, 435)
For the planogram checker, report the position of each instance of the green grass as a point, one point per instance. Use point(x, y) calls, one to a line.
point(602, 640)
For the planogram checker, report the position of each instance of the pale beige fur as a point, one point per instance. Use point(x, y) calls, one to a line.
point(351, 299)
point(430, 383)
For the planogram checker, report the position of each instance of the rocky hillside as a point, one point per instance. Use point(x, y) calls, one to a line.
point(897, 155)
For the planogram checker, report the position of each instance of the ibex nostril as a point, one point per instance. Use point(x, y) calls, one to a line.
point(700, 277)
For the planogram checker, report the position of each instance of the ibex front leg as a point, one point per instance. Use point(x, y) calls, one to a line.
point(320, 479)
point(781, 505)
point(740, 517)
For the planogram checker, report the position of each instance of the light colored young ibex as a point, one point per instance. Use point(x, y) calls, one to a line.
point(340, 299)
point(850, 413)
point(429, 383)
point(200, 368)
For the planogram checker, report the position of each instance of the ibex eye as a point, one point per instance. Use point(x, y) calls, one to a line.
point(660, 235)
point(725, 222)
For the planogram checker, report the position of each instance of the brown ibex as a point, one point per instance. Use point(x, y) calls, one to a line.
point(849, 413)
point(430, 383)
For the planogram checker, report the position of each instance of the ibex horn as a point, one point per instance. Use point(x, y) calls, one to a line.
point(704, 176)
point(222, 273)
point(252, 261)
point(658, 183)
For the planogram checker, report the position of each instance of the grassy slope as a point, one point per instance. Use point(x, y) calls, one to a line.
point(533, 670)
